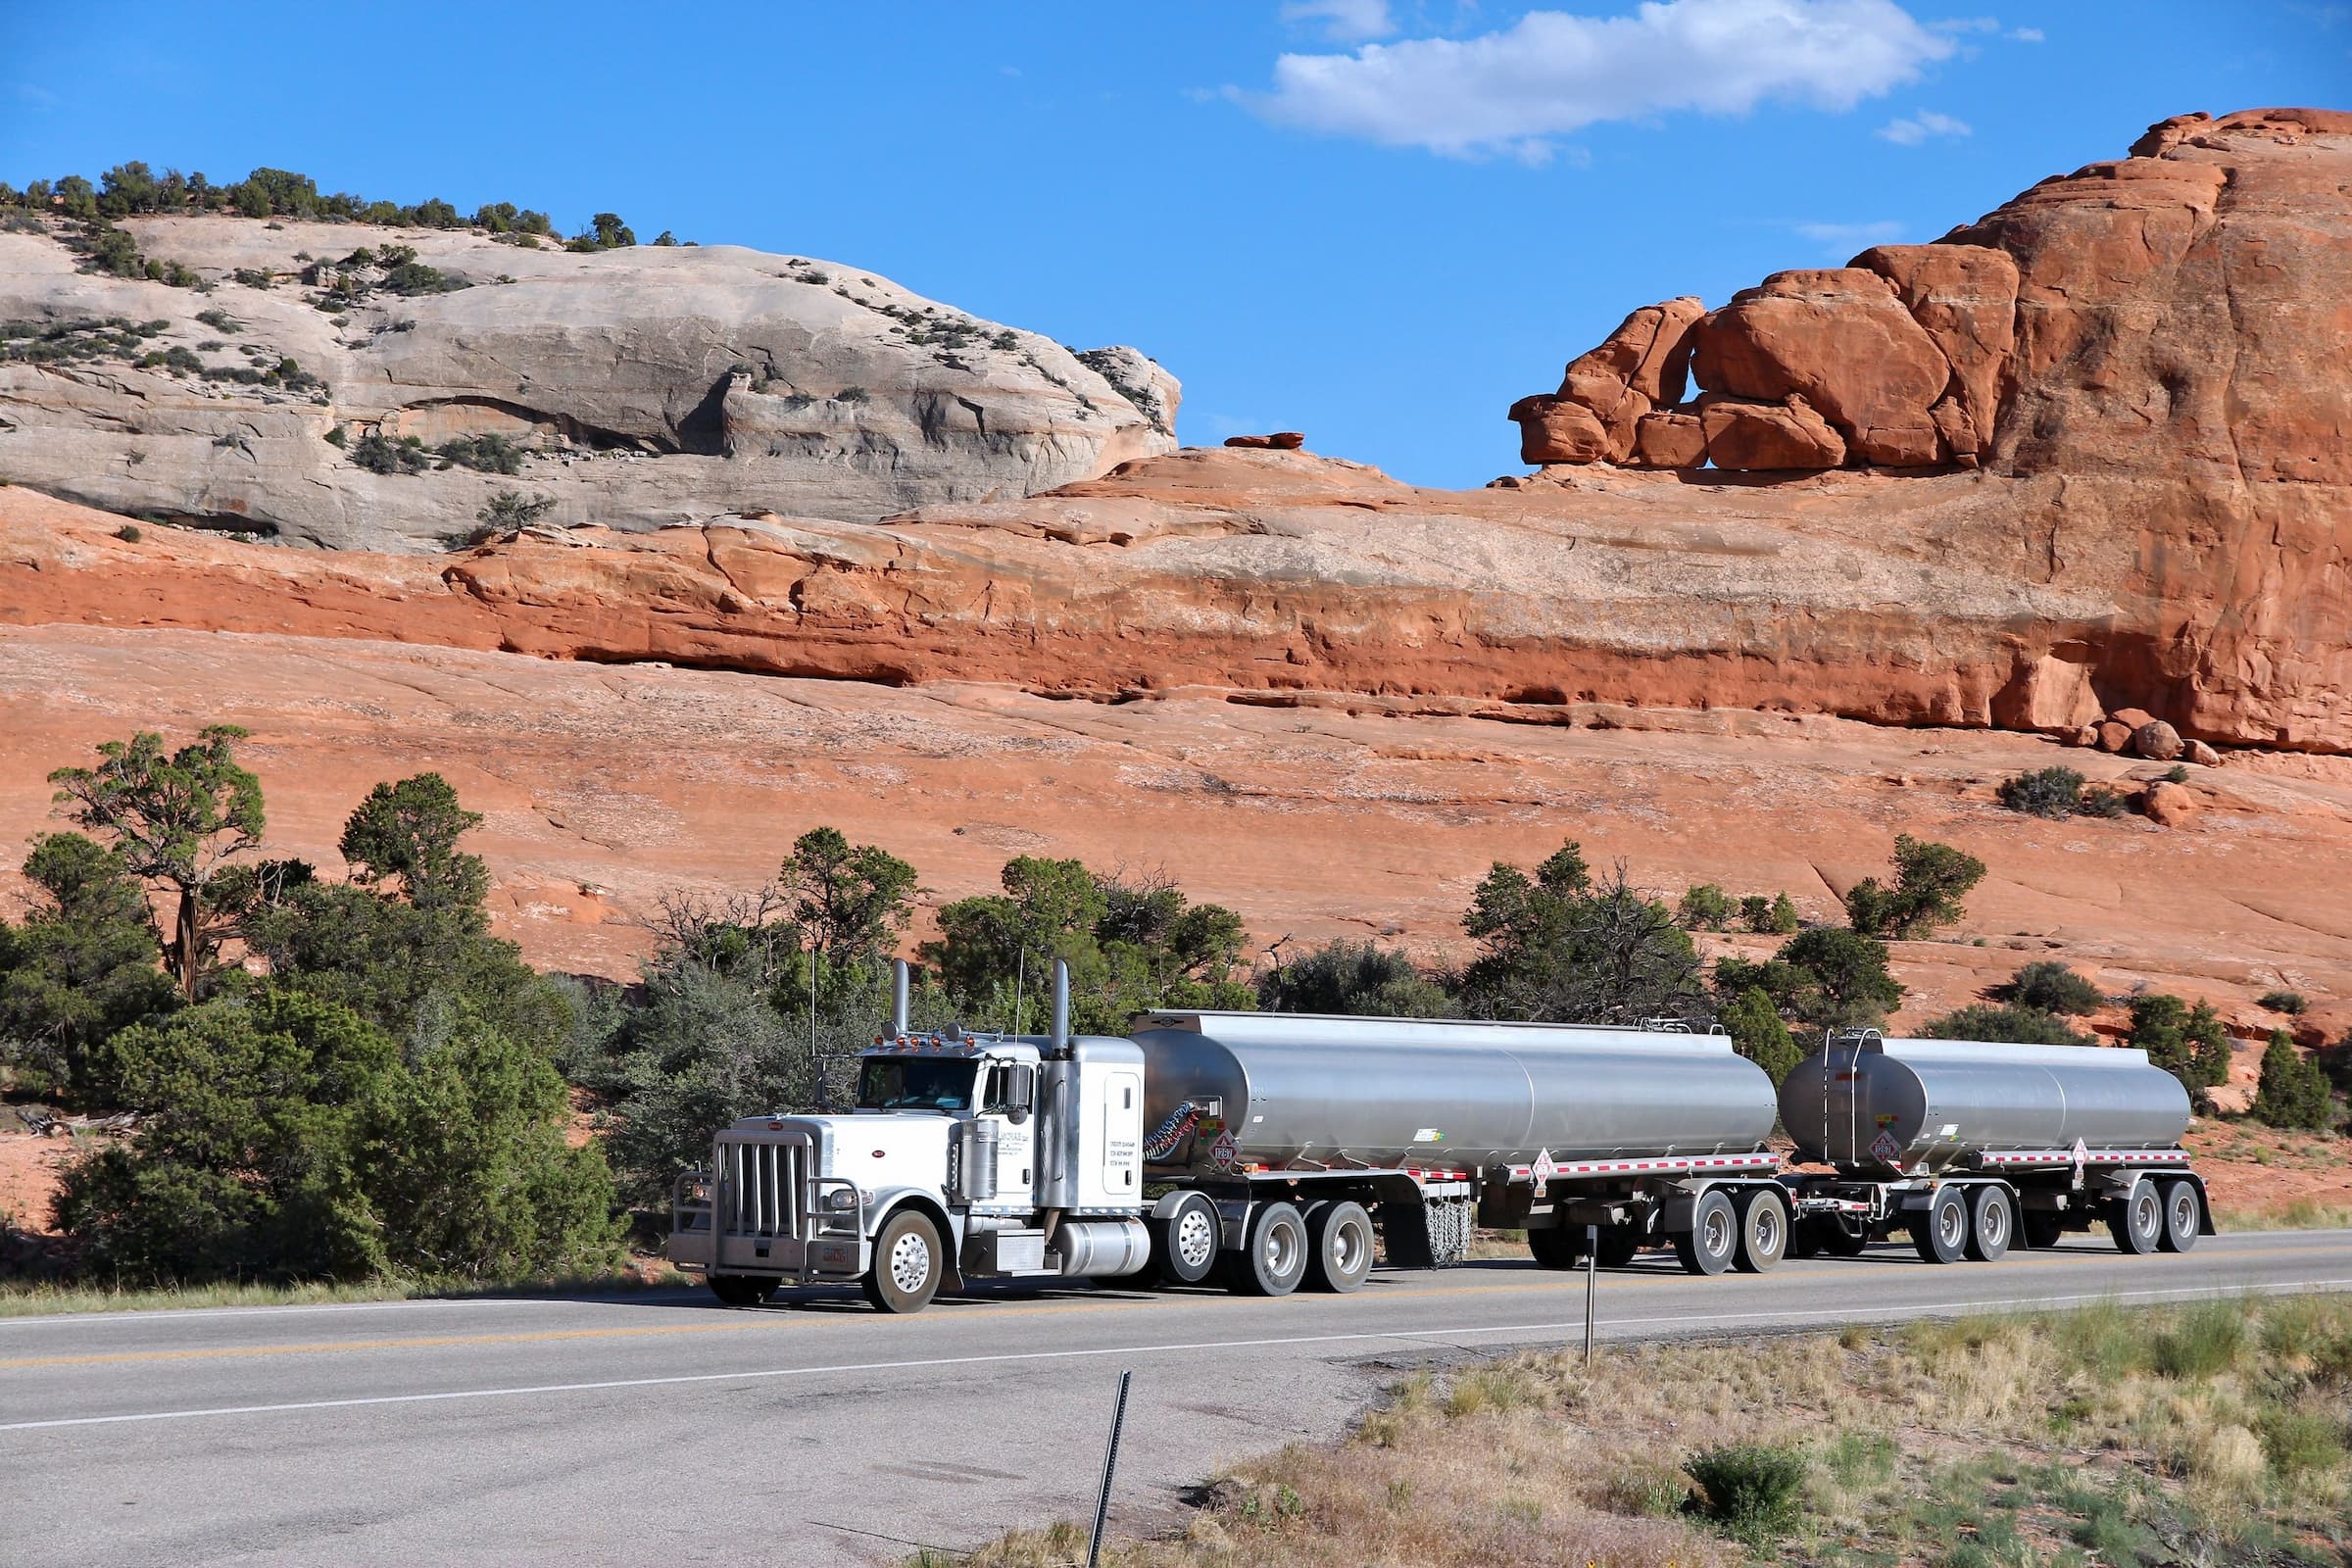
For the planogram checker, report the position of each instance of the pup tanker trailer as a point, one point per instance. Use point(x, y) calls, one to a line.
point(1972, 1148)
point(1266, 1151)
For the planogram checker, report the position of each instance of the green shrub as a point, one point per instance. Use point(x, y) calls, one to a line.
point(851, 394)
point(379, 454)
point(2293, 1091)
point(2052, 987)
point(2290, 1003)
point(485, 454)
point(1752, 1489)
point(2192, 1044)
point(2012, 1024)
point(1930, 882)
point(1758, 1034)
point(410, 277)
point(220, 320)
point(1355, 979)
point(2101, 801)
point(130, 533)
point(2201, 1341)
point(2052, 792)
point(1828, 978)
point(508, 510)
point(1707, 907)
point(1704, 909)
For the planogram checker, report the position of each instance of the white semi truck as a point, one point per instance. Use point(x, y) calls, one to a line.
point(1273, 1150)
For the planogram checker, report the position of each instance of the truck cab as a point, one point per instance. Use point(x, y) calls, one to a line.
point(966, 1155)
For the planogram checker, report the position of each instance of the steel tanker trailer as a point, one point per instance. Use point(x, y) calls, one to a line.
point(1972, 1147)
point(1268, 1151)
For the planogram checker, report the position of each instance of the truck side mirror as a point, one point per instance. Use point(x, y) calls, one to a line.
point(1020, 1093)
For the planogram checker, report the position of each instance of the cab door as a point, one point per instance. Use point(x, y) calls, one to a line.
point(1007, 1092)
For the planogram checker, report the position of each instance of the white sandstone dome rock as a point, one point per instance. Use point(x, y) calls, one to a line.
point(646, 386)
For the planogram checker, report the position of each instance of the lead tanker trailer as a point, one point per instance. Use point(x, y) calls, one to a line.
point(1268, 1151)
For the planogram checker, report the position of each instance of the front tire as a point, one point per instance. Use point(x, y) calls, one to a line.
point(906, 1265)
point(742, 1290)
point(2184, 1214)
point(1763, 1229)
point(1992, 1224)
point(1712, 1242)
point(1339, 1247)
point(1940, 1231)
point(1184, 1245)
point(1275, 1259)
point(2137, 1219)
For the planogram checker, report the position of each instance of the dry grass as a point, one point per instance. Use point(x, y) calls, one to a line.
point(23, 1299)
point(2209, 1434)
point(2302, 1214)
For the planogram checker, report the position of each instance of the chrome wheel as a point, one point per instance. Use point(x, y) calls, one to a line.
point(1951, 1225)
point(1194, 1241)
point(909, 1262)
point(1716, 1235)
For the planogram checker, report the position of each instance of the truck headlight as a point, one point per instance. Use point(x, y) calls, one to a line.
point(841, 1198)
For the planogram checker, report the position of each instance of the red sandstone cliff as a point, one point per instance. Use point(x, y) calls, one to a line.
point(2085, 455)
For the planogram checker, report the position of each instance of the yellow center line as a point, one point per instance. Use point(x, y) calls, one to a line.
point(433, 1341)
point(1551, 1284)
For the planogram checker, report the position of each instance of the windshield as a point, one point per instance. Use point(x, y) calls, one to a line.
point(915, 1083)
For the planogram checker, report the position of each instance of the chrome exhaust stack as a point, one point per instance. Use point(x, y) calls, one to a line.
point(1061, 1008)
point(899, 984)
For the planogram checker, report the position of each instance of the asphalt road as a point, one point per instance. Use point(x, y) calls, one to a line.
point(818, 1430)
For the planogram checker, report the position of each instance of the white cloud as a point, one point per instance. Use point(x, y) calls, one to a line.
point(1843, 240)
point(2025, 34)
point(1553, 73)
point(1920, 126)
point(1343, 21)
point(1967, 25)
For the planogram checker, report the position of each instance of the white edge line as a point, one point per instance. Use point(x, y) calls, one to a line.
point(1919, 1310)
point(135, 1315)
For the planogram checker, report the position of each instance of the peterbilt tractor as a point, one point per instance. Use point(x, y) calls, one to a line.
point(1267, 1151)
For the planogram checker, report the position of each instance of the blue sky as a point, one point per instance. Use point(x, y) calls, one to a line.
point(1375, 222)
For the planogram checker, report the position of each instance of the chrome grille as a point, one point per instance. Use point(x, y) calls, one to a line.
point(762, 1187)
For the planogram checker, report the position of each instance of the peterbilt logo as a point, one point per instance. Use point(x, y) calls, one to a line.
point(1169, 1134)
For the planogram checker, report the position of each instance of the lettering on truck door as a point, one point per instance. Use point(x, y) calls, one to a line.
point(1122, 1136)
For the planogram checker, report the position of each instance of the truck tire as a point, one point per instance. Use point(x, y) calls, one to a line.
point(2183, 1212)
point(2040, 1227)
point(907, 1264)
point(1992, 1223)
point(2137, 1219)
point(1713, 1239)
point(1560, 1246)
point(742, 1290)
point(1763, 1227)
point(1845, 1235)
point(1184, 1245)
point(1339, 1247)
point(1618, 1244)
point(1275, 1259)
point(1940, 1231)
